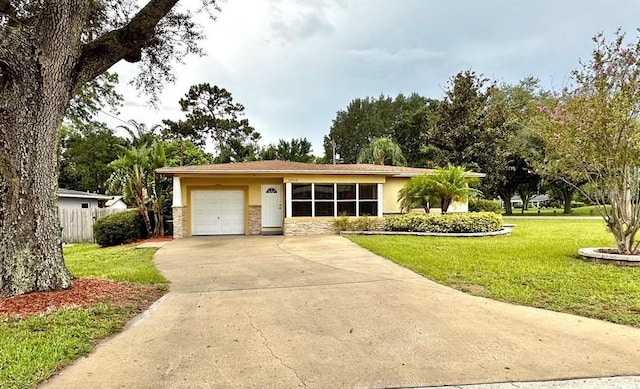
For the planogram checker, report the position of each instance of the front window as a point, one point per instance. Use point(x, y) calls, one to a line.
point(301, 196)
point(332, 200)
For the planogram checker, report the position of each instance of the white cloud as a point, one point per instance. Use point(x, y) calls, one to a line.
point(294, 63)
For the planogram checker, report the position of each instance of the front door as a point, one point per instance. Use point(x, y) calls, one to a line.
point(271, 206)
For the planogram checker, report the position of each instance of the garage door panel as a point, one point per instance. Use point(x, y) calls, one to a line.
point(217, 212)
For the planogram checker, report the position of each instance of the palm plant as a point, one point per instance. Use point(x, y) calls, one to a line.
point(157, 159)
point(451, 184)
point(140, 134)
point(131, 178)
point(447, 185)
point(382, 151)
point(418, 192)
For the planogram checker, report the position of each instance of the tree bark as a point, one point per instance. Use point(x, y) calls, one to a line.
point(506, 200)
point(35, 92)
point(41, 64)
point(567, 195)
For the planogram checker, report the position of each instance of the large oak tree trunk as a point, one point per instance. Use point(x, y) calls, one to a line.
point(35, 89)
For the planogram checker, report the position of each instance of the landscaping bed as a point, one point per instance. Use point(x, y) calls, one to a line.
point(85, 293)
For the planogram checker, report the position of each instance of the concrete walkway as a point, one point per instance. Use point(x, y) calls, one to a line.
point(320, 312)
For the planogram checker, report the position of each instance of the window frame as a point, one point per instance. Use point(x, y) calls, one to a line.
point(335, 201)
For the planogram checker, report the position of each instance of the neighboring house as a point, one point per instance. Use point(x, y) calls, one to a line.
point(74, 199)
point(294, 198)
point(71, 199)
point(116, 202)
point(536, 201)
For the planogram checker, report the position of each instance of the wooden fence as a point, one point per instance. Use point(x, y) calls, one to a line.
point(77, 223)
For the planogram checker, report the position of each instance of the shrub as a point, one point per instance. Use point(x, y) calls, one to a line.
point(452, 223)
point(344, 223)
point(483, 205)
point(118, 228)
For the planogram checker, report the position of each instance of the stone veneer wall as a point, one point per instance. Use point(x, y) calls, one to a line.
point(306, 226)
point(293, 227)
point(255, 220)
point(179, 222)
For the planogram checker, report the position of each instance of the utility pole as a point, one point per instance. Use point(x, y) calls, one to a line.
point(333, 145)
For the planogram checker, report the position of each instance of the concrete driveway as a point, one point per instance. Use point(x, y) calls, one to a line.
point(320, 312)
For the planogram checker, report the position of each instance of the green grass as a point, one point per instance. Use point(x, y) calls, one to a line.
point(580, 211)
point(119, 263)
point(536, 265)
point(33, 348)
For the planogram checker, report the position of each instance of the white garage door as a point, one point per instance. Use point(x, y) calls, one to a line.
point(217, 212)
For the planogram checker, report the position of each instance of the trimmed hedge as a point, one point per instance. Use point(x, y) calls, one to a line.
point(453, 223)
point(364, 223)
point(483, 205)
point(118, 228)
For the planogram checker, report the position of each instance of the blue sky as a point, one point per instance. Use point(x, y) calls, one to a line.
point(294, 63)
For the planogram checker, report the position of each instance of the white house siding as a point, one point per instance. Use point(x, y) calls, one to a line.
point(74, 203)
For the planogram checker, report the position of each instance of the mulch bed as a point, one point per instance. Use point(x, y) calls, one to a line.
point(85, 292)
point(155, 239)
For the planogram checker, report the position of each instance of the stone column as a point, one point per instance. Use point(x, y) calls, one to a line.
point(179, 222)
point(255, 220)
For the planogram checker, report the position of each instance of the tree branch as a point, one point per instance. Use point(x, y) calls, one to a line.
point(124, 43)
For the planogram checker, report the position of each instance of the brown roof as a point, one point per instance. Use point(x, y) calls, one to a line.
point(288, 167)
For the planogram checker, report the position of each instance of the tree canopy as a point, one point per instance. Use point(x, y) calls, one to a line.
point(403, 119)
point(593, 132)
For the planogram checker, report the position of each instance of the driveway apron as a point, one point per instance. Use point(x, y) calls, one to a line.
point(321, 312)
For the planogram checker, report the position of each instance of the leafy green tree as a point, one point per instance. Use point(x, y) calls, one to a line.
point(85, 154)
point(49, 51)
point(238, 150)
point(369, 118)
point(410, 131)
point(184, 134)
point(296, 150)
point(481, 126)
point(92, 97)
point(382, 151)
point(593, 132)
point(460, 127)
point(187, 153)
point(211, 111)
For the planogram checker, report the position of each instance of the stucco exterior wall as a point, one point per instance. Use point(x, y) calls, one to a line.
point(390, 194)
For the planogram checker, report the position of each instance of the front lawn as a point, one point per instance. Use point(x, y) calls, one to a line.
point(34, 347)
point(589, 210)
point(536, 265)
point(118, 263)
